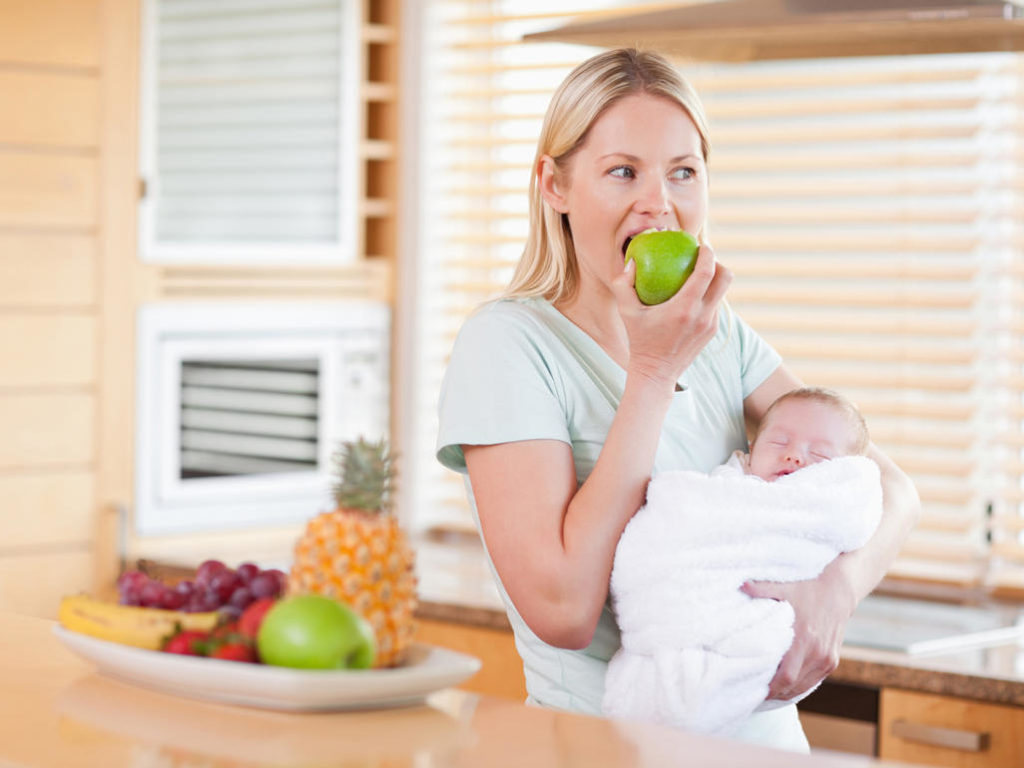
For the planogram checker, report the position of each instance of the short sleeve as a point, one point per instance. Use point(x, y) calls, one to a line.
point(499, 386)
point(758, 359)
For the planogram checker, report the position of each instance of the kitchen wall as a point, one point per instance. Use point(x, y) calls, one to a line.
point(71, 281)
point(54, 163)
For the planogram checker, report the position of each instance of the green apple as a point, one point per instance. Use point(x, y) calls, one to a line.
point(664, 259)
point(315, 632)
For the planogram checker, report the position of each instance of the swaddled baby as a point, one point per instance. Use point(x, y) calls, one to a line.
point(697, 652)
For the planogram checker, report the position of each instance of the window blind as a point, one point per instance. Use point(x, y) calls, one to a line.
point(249, 120)
point(870, 210)
point(863, 206)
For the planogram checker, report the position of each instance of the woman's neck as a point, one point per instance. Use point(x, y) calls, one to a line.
point(598, 317)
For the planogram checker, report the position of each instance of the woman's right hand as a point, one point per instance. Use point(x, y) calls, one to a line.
point(665, 338)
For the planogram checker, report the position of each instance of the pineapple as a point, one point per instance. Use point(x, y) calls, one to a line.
point(358, 554)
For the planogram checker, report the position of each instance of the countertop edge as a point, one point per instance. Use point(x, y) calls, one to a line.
point(469, 615)
point(926, 679)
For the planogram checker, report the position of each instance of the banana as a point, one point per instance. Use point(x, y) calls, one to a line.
point(126, 624)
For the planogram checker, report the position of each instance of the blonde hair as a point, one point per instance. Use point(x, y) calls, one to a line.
point(859, 439)
point(548, 265)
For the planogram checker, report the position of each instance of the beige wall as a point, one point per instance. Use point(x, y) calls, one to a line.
point(51, 161)
point(71, 282)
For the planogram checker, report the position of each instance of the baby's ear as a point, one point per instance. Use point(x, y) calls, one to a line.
point(549, 185)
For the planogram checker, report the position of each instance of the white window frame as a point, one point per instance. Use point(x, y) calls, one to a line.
point(340, 251)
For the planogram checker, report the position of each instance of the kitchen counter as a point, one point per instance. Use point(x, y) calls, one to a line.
point(993, 674)
point(56, 711)
point(456, 586)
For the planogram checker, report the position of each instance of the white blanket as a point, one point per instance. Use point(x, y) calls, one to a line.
point(697, 653)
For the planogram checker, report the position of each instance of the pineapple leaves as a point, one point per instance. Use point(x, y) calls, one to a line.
point(365, 475)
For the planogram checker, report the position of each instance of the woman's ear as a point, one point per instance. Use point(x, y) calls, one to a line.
point(550, 188)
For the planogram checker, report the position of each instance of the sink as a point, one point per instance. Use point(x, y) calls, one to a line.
point(920, 626)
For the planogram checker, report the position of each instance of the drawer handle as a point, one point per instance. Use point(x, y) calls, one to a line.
point(936, 736)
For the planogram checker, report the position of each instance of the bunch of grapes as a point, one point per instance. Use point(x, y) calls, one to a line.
point(215, 587)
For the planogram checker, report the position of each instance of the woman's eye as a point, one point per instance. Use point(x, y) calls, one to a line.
point(683, 174)
point(622, 172)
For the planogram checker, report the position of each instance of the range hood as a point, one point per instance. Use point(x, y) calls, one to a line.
point(749, 30)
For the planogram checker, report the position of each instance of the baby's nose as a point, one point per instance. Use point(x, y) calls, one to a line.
point(795, 457)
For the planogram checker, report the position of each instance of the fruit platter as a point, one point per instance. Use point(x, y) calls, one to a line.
point(336, 632)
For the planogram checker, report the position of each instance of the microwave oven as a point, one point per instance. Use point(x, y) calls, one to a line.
point(240, 408)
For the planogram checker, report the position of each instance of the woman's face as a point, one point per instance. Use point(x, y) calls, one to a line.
point(640, 166)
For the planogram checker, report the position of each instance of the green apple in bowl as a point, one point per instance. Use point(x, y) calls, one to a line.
point(664, 259)
point(315, 632)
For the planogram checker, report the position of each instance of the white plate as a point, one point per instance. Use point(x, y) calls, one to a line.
point(427, 669)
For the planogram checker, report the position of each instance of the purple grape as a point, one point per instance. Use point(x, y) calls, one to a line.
point(282, 581)
point(172, 599)
point(151, 594)
point(131, 578)
point(264, 585)
point(247, 572)
point(224, 584)
point(203, 600)
point(241, 597)
point(185, 588)
point(129, 587)
point(207, 570)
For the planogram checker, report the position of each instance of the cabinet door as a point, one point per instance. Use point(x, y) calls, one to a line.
point(944, 731)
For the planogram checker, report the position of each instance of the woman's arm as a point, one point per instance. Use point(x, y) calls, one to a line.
point(823, 605)
point(553, 543)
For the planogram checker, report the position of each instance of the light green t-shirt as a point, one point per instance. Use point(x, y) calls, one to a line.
point(520, 370)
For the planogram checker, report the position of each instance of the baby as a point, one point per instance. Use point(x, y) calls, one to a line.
point(801, 428)
point(697, 652)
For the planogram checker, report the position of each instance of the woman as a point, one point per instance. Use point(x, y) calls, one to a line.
point(562, 398)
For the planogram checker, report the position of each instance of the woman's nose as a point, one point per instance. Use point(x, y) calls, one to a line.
point(654, 197)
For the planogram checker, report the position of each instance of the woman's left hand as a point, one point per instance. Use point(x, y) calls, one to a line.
point(821, 606)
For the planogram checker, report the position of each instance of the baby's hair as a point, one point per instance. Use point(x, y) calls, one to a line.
point(860, 440)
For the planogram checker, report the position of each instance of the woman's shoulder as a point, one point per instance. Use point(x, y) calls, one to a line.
point(506, 318)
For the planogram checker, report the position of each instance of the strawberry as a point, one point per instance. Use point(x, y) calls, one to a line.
point(252, 617)
point(235, 651)
point(188, 643)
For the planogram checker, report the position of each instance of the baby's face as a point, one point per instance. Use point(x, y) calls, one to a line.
point(799, 433)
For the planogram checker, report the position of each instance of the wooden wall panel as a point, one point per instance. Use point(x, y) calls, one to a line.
point(67, 358)
point(50, 32)
point(35, 583)
point(48, 190)
point(51, 150)
point(47, 429)
point(48, 108)
point(46, 508)
point(41, 269)
point(122, 286)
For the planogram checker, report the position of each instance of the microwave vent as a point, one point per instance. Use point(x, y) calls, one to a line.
point(248, 417)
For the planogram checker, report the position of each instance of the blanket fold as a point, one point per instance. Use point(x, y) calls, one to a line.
point(697, 653)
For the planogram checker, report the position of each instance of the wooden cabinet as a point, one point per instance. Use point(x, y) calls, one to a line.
point(502, 671)
point(944, 731)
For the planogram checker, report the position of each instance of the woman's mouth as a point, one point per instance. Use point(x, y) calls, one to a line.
point(634, 233)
